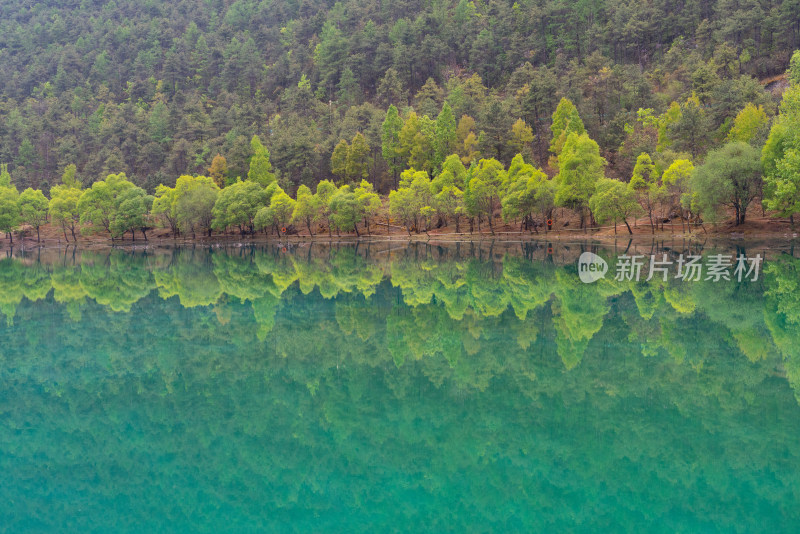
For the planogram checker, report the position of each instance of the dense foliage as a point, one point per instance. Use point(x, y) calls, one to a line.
point(158, 89)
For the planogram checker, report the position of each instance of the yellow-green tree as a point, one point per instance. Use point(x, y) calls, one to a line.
point(580, 167)
point(566, 121)
point(483, 193)
point(614, 200)
point(357, 160)
point(260, 165)
point(63, 205)
point(645, 185)
point(748, 124)
point(33, 208)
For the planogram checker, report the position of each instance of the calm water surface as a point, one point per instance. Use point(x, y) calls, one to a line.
point(392, 388)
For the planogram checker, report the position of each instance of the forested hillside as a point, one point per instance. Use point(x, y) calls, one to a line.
point(157, 89)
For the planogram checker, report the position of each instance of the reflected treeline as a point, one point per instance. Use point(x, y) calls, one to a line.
point(417, 301)
point(269, 379)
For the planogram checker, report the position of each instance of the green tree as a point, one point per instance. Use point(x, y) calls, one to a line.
point(325, 190)
point(646, 187)
point(167, 200)
point(237, 205)
point(580, 167)
point(794, 69)
point(408, 200)
point(33, 208)
point(521, 197)
point(390, 141)
point(444, 135)
point(521, 137)
point(453, 173)
point(730, 177)
point(98, 205)
point(305, 208)
point(5, 176)
point(219, 170)
point(566, 121)
point(482, 197)
point(9, 211)
point(780, 158)
point(346, 209)
point(449, 203)
point(164, 204)
point(63, 205)
point(339, 160)
point(448, 190)
point(677, 183)
point(417, 141)
point(260, 166)
point(747, 125)
point(194, 209)
point(357, 161)
point(691, 130)
point(665, 123)
point(369, 201)
point(390, 89)
point(63, 208)
point(159, 123)
point(614, 200)
point(131, 207)
point(70, 177)
point(466, 140)
point(277, 214)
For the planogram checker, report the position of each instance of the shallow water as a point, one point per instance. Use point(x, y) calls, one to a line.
point(461, 388)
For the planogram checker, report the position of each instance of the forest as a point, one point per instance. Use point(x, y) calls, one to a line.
point(429, 114)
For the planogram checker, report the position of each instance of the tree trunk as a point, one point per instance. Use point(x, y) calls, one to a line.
point(37, 234)
point(628, 225)
point(72, 229)
point(145, 234)
point(308, 225)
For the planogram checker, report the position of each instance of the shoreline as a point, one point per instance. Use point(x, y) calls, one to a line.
point(587, 237)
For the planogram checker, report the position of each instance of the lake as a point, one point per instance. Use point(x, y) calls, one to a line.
point(385, 387)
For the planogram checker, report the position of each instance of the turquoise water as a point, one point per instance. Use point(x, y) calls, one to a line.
point(392, 388)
